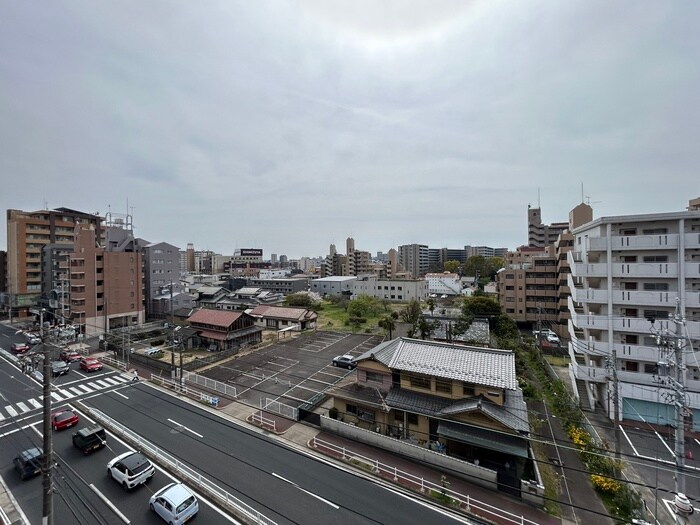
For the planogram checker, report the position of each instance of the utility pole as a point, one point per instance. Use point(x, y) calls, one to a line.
point(611, 364)
point(47, 502)
point(539, 326)
point(671, 347)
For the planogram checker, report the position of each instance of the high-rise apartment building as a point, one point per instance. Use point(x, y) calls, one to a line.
point(27, 234)
point(625, 272)
point(414, 258)
point(539, 234)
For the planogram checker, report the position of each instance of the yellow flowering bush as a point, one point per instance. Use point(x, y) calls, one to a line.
point(604, 484)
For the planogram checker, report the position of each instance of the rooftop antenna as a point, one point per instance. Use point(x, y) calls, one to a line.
point(582, 192)
point(538, 198)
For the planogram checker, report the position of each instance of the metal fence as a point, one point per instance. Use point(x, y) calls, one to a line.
point(264, 422)
point(114, 363)
point(211, 384)
point(204, 484)
point(183, 388)
point(272, 405)
point(465, 502)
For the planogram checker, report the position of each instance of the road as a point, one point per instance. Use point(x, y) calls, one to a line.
point(287, 486)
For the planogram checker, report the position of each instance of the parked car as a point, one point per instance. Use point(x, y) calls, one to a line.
point(28, 462)
point(175, 503)
point(63, 419)
point(553, 339)
point(70, 356)
point(33, 339)
point(58, 368)
point(89, 439)
point(19, 348)
point(90, 364)
point(345, 361)
point(131, 469)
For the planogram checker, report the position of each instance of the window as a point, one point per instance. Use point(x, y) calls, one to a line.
point(650, 368)
point(468, 390)
point(417, 381)
point(510, 287)
point(412, 419)
point(656, 314)
point(632, 366)
point(375, 376)
point(443, 386)
point(398, 415)
point(350, 409)
point(655, 231)
point(656, 286)
point(656, 258)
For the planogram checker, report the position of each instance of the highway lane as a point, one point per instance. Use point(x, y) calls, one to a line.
point(286, 485)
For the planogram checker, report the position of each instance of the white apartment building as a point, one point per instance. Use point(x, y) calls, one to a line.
point(626, 271)
point(444, 283)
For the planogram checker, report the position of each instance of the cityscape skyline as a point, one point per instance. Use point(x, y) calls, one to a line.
point(291, 126)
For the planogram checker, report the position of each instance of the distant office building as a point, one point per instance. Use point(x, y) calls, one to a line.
point(273, 259)
point(539, 234)
point(484, 251)
point(333, 286)
point(414, 258)
point(398, 290)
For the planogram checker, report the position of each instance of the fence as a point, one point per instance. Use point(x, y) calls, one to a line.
point(211, 384)
point(271, 405)
point(213, 490)
point(114, 363)
point(263, 421)
point(191, 392)
point(440, 491)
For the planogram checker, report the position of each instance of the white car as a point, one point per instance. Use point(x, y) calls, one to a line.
point(131, 469)
point(175, 503)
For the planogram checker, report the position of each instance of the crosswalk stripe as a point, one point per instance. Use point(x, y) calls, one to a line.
point(2, 418)
point(11, 410)
point(35, 403)
point(111, 381)
point(122, 379)
point(83, 387)
point(102, 383)
point(94, 385)
point(24, 408)
point(76, 391)
point(66, 394)
point(56, 396)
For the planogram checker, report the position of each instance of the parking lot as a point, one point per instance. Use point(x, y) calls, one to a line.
point(292, 372)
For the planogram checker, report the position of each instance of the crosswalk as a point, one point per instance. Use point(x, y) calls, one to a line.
point(63, 393)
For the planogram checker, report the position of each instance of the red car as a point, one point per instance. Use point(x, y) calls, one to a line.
point(19, 348)
point(64, 419)
point(69, 356)
point(90, 364)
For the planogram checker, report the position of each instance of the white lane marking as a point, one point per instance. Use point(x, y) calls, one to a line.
point(110, 504)
point(23, 408)
point(94, 385)
point(20, 429)
point(56, 396)
point(118, 393)
point(336, 507)
point(76, 391)
point(665, 444)
point(185, 428)
point(103, 384)
point(35, 403)
point(2, 418)
point(629, 441)
point(65, 393)
point(10, 410)
point(698, 442)
point(111, 381)
point(83, 387)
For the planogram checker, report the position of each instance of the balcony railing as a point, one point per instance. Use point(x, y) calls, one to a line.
point(667, 241)
point(590, 373)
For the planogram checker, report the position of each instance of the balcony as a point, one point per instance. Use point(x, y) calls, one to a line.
point(590, 373)
point(692, 240)
point(667, 241)
point(579, 345)
point(626, 324)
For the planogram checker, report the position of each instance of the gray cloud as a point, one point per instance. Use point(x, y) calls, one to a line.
point(290, 126)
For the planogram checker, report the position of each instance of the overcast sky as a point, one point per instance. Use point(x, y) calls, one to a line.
point(288, 126)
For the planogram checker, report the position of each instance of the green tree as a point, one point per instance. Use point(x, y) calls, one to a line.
point(451, 266)
point(412, 313)
point(364, 306)
point(388, 323)
point(484, 267)
point(427, 327)
point(480, 306)
point(431, 305)
point(301, 300)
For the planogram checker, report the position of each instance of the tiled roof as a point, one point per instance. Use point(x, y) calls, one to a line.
point(223, 318)
point(360, 393)
point(481, 366)
point(278, 312)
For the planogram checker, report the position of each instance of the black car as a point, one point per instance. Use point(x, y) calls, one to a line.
point(28, 462)
point(58, 368)
point(345, 361)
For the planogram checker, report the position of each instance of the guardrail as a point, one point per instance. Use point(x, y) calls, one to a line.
point(211, 384)
point(437, 491)
point(272, 405)
point(213, 490)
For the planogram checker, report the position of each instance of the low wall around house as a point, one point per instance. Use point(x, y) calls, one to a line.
point(468, 471)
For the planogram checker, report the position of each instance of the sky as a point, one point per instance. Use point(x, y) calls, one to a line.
point(289, 126)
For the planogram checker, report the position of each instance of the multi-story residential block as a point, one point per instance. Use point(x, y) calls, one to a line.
point(539, 234)
point(399, 290)
point(283, 285)
point(625, 272)
point(27, 234)
point(414, 258)
point(106, 281)
point(163, 291)
point(444, 283)
point(55, 282)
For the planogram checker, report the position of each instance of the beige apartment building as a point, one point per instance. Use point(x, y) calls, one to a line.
point(27, 234)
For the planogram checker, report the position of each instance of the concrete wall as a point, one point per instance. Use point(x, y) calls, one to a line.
point(464, 469)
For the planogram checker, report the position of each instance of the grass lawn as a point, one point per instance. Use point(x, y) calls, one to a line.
point(557, 360)
point(333, 317)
